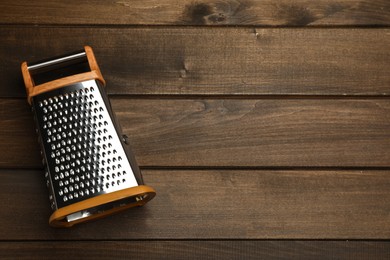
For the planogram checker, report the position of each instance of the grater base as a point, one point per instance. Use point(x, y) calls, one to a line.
point(101, 206)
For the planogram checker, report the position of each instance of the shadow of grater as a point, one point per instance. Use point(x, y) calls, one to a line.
point(89, 168)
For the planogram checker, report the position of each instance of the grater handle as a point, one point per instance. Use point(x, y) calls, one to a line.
point(29, 71)
point(59, 62)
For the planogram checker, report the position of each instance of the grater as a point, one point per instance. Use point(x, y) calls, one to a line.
point(89, 169)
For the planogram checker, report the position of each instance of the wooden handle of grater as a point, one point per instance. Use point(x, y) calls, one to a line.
point(33, 90)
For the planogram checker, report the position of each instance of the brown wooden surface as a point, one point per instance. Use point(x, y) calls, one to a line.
point(230, 249)
point(229, 132)
point(218, 204)
point(262, 138)
point(213, 61)
point(201, 12)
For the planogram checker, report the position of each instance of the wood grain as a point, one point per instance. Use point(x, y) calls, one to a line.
point(229, 132)
point(201, 12)
point(217, 97)
point(217, 204)
point(227, 249)
point(212, 61)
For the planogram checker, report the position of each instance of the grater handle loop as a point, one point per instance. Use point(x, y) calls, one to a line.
point(47, 65)
point(58, 62)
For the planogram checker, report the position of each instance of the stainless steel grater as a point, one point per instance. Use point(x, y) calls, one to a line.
point(89, 168)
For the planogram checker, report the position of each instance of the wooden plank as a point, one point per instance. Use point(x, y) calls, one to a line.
point(212, 61)
point(229, 132)
point(217, 204)
point(227, 249)
point(204, 12)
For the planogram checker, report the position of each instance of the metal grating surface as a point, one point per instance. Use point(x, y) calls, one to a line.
point(84, 153)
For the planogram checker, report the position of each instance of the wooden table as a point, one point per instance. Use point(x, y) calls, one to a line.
point(264, 126)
